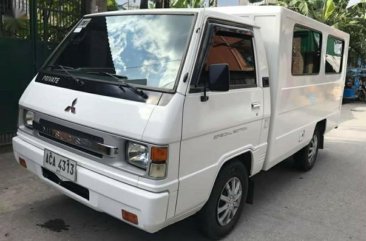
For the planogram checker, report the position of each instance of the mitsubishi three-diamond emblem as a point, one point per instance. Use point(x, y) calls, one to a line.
point(72, 106)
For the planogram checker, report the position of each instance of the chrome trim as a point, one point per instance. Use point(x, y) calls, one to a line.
point(76, 140)
point(107, 150)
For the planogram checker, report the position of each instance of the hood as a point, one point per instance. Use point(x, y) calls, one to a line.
point(117, 116)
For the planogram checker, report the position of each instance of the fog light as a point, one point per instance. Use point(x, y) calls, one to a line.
point(130, 217)
point(22, 162)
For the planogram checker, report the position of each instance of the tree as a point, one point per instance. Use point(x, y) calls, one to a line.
point(112, 5)
point(13, 20)
point(16, 27)
point(187, 4)
point(172, 3)
point(212, 3)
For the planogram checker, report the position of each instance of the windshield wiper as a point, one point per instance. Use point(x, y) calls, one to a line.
point(122, 83)
point(65, 69)
point(115, 76)
point(59, 66)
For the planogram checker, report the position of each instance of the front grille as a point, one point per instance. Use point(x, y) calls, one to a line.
point(70, 137)
point(73, 187)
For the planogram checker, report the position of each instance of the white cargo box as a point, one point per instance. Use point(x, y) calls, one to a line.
point(303, 91)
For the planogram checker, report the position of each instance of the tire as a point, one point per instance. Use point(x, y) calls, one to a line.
point(305, 158)
point(213, 221)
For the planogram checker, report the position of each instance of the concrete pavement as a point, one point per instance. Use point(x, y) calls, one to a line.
point(327, 203)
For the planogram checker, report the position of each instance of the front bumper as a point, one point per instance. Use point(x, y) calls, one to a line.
point(105, 194)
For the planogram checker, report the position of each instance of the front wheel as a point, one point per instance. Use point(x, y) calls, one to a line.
point(306, 157)
point(222, 211)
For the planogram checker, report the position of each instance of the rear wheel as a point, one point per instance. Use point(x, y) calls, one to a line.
point(306, 157)
point(222, 211)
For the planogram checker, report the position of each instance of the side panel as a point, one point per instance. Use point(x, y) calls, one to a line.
point(218, 130)
point(301, 101)
point(215, 131)
point(297, 102)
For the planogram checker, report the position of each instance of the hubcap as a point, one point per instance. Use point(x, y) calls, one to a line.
point(229, 201)
point(312, 149)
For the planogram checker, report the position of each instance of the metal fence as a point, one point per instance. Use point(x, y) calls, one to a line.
point(29, 31)
point(55, 18)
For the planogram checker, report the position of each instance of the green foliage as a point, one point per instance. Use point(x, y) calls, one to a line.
point(328, 9)
point(212, 3)
point(187, 4)
point(112, 5)
point(335, 14)
point(16, 27)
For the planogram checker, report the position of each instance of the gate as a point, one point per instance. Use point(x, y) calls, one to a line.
point(29, 31)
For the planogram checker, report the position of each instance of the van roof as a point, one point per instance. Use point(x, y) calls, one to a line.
point(230, 10)
point(147, 11)
point(217, 11)
point(233, 11)
point(272, 10)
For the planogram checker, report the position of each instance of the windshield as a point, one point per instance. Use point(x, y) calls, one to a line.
point(144, 50)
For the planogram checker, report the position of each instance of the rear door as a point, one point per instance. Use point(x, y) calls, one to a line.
point(228, 123)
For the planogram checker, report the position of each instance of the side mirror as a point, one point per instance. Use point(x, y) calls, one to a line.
point(218, 77)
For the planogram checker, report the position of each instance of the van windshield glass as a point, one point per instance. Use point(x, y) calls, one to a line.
point(146, 50)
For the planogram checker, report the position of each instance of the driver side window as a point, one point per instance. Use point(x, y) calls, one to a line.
point(236, 50)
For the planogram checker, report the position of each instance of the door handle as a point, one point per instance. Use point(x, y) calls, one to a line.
point(256, 105)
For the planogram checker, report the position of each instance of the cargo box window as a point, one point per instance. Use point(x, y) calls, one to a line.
point(334, 56)
point(306, 49)
point(236, 50)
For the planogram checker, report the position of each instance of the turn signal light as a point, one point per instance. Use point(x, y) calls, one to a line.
point(159, 154)
point(130, 217)
point(159, 157)
point(22, 162)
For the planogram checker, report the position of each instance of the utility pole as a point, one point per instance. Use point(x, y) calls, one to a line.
point(102, 5)
point(94, 6)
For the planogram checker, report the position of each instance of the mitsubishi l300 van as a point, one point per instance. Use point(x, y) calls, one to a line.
point(154, 115)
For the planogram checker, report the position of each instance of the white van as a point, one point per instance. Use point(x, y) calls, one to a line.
point(154, 115)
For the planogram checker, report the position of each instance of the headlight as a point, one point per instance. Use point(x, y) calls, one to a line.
point(138, 155)
point(151, 158)
point(28, 118)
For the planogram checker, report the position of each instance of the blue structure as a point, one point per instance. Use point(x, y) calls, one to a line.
point(350, 91)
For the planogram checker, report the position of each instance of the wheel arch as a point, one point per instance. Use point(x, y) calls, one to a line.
point(246, 159)
point(321, 127)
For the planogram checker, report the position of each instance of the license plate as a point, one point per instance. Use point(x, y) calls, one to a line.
point(60, 165)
